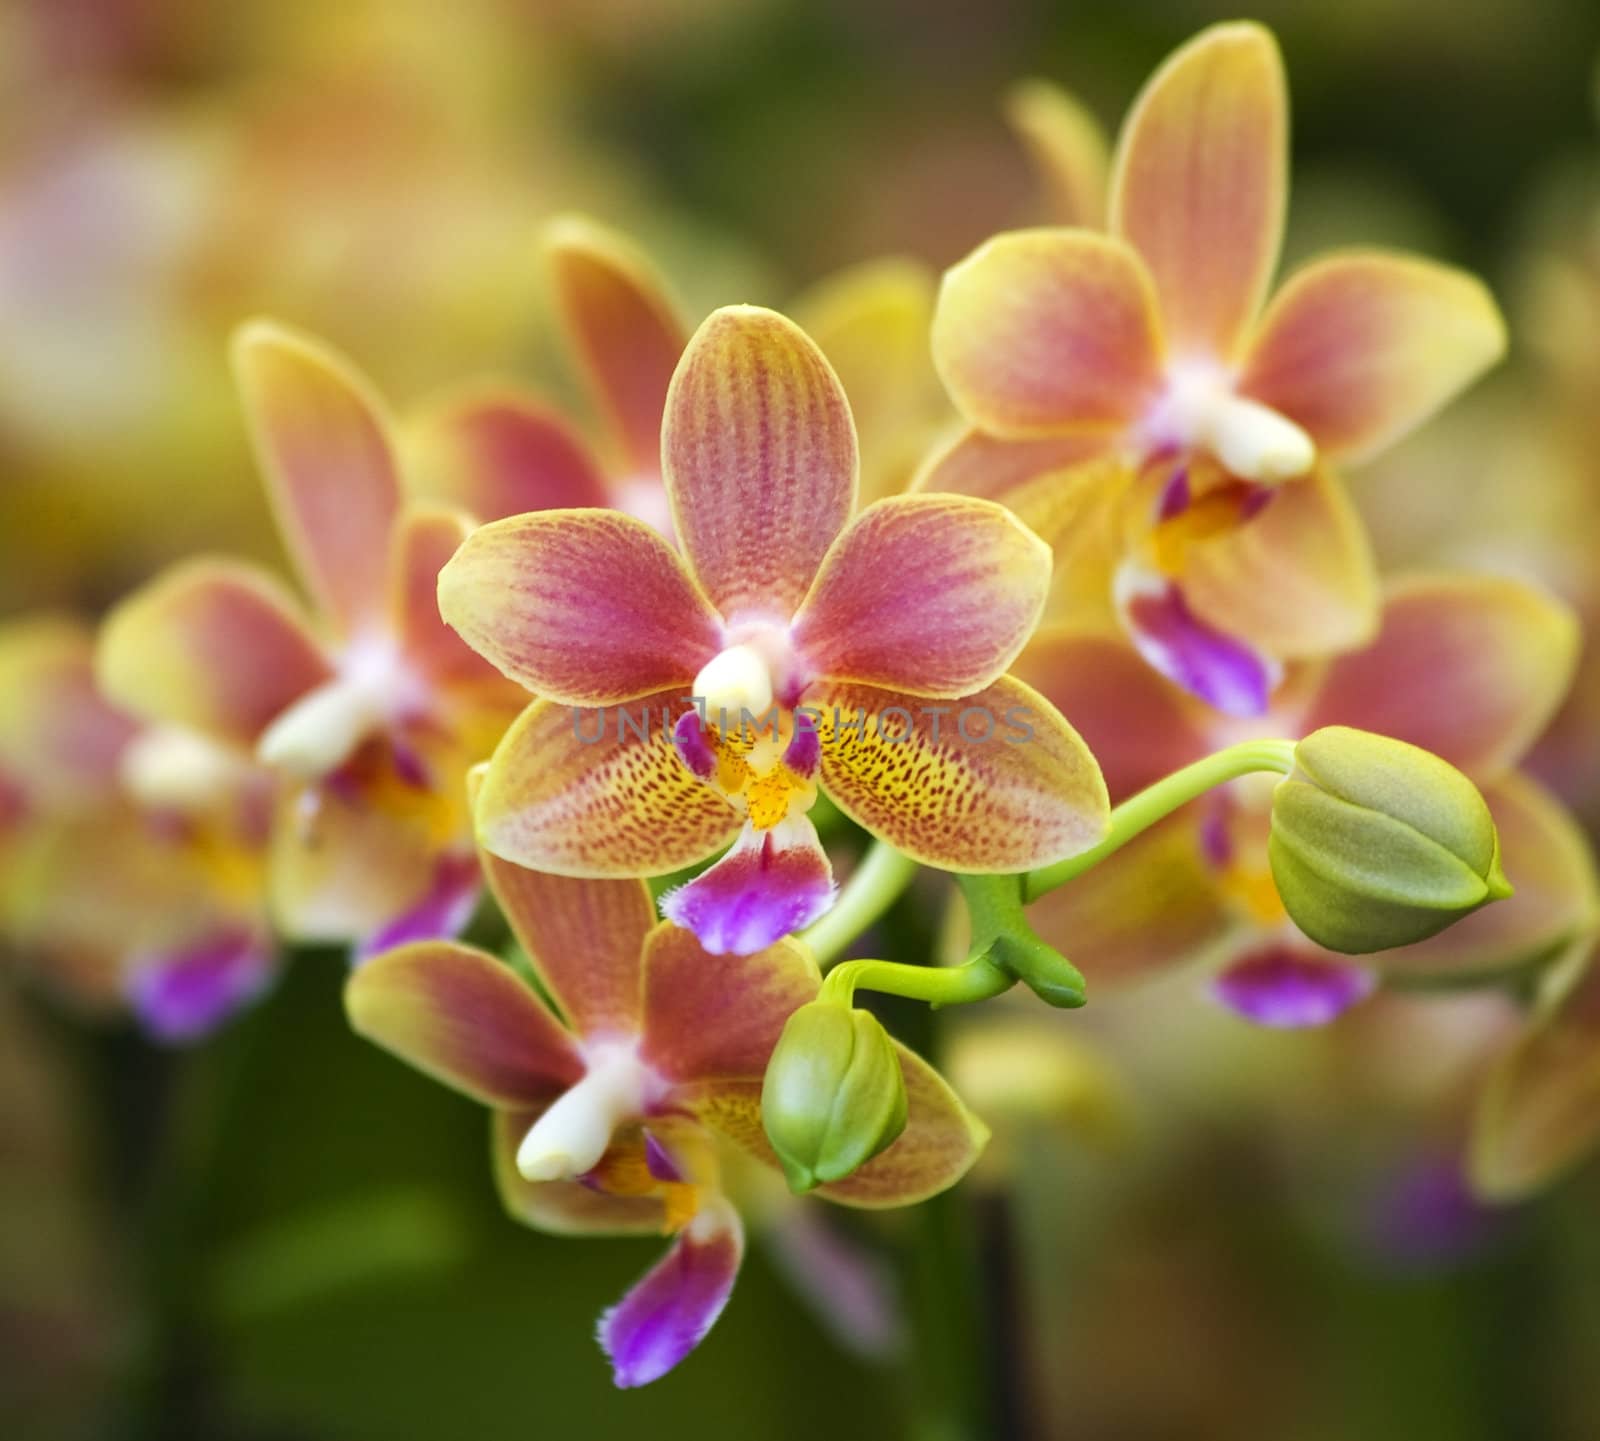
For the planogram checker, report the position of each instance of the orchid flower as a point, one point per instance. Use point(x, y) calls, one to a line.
point(1467, 667)
point(790, 648)
point(367, 709)
point(610, 1100)
point(1126, 390)
point(128, 891)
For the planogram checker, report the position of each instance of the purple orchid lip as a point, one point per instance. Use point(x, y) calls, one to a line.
point(803, 754)
point(441, 914)
point(185, 995)
point(658, 1160)
point(1276, 987)
point(762, 890)
point(1425, 1215)
point(689, 740)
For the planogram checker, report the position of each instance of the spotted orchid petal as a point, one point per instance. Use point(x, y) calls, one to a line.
point(1200, 180)
point(466, 1019)
point(1468, 667)
point(670, 1310)
point(442, 913)
point(584, 939)
point(590, 608)
point(1287, 988)
point(931, 595)
point(1556, 896)
point(771, 884)
point(1152, 907)
point(1296, 579)
point(1044, 331)
point(185, 994)
point(759, 456)
point(493, 451)
point(708, 1020)
point(584, 793)
point(1068, 149)
point(994, 782)
point(1539, 1113)
point(214, 645)
point(1360, 348)
point(1139, 726)
point(1224, 671)
point(624, 327)
point(322, 439)
point(564, 1208)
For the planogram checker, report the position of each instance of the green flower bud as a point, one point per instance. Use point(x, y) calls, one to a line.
point(1376, 843)
point(833, 1096)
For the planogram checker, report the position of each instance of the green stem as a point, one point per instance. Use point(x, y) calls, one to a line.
point(976, 980)
point(873, 887)
point(1155, 803)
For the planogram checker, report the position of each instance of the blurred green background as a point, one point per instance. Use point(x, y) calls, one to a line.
point(289, 1235)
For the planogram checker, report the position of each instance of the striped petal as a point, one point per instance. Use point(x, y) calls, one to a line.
point(1359, 348)
point(1288, 987)
point(1139, 725)
point(1297, 579)
point(423, 542)
point(588, 607)
point(670, 1309)
point(1039, 331)
point(215, 645)
point(564, 1208)
point(932, 595)
point(1200, 180)
point(464, 1018)
point(1539, 1113)
point(996, 782)
point(1557, 897)
point(322, 439)
point(1469, 667)
point(771, 884)
point(710, 1019)
point(494, 452)
point(759, 456)
point(580, 793)
point(622, 325)
point(1068, 149)
point(584, 939)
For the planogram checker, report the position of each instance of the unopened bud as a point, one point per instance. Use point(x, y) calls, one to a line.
point(1376, 843)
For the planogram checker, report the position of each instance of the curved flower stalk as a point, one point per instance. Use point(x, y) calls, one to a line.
point(1127, 390)
point(127, 890)
point(611, 1101)
point(689, 702)
point(367, 709)
point(1470, 668)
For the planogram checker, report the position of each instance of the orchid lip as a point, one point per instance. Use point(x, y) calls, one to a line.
point(1200, 410)
point(570, 1138)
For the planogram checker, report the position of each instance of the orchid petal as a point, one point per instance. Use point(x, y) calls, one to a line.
point(322, 439)
point(672, 1307)
point(581, 794)
point(932, 595)
point(1556, 894)
point(994, 782)
point(1138, 724)
point(973, 462)
point(464, 1018)
point(1468, 667)
point(214, 645)
point(624, 327)
point(564, 1208)
point(584, 939)
point(183, 995)
point(1287, 988)
point(494, 452)
point(588, 607)
point(759, 455)
point(1200, 180)
point(1041, 331)
point(708, 1020)
point(1068, 149)
point(1296, 579)
point(1224, 671)
point(1359, 348)
point(771, 884)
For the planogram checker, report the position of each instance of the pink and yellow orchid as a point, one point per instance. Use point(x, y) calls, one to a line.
point(1470, 668)
point(122, 889)
point(369, 710)
point(611, 1099)
point(791, 647)
point(1127, 389)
